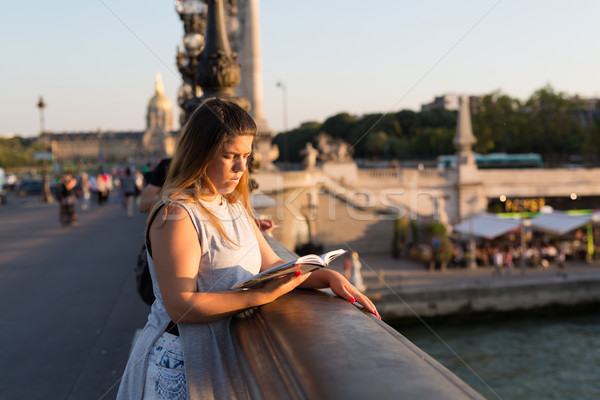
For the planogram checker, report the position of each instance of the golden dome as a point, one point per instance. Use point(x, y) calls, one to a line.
point(160, 110)
point(159, 100)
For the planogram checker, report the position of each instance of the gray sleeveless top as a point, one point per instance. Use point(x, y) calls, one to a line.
point(211, 366)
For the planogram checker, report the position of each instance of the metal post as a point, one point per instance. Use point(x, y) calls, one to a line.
point(284, 120)
point(46, 194)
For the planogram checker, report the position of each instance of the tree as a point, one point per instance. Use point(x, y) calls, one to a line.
point(498, 124)
point(339, 125)
point(552, 125)
point(376, 143)
point(409, 122)
point(442, 249)
point(296, 140)
point(18, 152)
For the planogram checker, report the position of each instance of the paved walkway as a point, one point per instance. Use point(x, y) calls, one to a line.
point(69, 305)
point(408, 275)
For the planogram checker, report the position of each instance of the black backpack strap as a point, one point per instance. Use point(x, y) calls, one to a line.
point(150, 221)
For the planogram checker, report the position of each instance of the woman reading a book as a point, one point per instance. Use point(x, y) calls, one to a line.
point(201, 240)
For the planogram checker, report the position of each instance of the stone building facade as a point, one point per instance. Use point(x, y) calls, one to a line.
point(157, 141)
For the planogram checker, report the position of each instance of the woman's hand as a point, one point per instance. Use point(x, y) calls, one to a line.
point(339, 285)
point(279, 286)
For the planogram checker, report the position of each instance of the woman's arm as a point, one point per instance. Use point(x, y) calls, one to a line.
point(176, 254)
point(319, 279)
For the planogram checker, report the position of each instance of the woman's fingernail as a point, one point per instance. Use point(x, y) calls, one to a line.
point(351, 300)
point(297, 273)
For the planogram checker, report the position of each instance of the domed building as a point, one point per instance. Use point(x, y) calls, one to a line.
point(157, 141)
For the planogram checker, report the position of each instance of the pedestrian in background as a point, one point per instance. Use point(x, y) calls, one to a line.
point(101, 189)
point(67, 197)
point(129, 190)
point(86, 191)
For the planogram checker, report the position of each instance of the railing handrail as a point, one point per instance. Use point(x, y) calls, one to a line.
point(311, 345)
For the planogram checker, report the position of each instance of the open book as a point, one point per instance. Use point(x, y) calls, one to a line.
point(303, 264)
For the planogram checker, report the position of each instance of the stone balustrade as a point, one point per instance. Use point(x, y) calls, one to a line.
point(309, 344)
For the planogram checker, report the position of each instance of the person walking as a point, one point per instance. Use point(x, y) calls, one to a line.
point(560, 258)
point(509, 260)
point(497, 259)
point(101, 189)
point(86, 191)
point(201, 240)
point(67, 197)
point(129, 191)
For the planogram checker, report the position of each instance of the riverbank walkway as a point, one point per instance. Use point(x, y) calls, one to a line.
point(411, 275)
point(70, 308)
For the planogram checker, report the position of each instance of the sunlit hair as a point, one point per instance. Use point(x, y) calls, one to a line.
point(203, 137)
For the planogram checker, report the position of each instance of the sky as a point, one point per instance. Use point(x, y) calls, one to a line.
point(94, 61)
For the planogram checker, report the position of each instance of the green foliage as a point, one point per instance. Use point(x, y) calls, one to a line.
point(339, 125)
point(18, 152)
point(553, 126)
point(442, 250)
point(295, 140)
point(401, 230)
point(548, 122)
point(436, 229)
point(442, 253)
point(376, 143)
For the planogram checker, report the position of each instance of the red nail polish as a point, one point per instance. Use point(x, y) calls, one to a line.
point(297, 273)
point(352, 300)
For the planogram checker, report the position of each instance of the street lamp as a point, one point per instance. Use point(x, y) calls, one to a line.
point(41, 105)
point(193, 15)
point(217, 72)
point(284, 120)
point(46, 195)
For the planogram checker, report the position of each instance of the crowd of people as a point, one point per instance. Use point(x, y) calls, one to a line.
point(85, 191)
point(505, 256)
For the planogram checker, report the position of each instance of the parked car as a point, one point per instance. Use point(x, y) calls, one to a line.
point(29, 187)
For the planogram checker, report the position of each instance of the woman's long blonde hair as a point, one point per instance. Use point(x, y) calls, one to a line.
point(207, 130)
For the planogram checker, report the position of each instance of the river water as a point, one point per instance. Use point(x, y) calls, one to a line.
point(531, 358)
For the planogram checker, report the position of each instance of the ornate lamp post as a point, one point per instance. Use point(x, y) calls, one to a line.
point(46, 195)
point(41, 105)
point(193, 15)
point(217, 72)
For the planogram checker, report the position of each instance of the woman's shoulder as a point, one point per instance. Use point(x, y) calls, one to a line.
point(169, 211)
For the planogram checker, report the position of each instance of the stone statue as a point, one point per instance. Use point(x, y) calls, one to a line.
point(309, 156)
point(355, 274)
point(333, 149)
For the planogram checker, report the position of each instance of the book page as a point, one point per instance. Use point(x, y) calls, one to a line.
point(310, 258)
point(332, 255)
point(304, 264)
